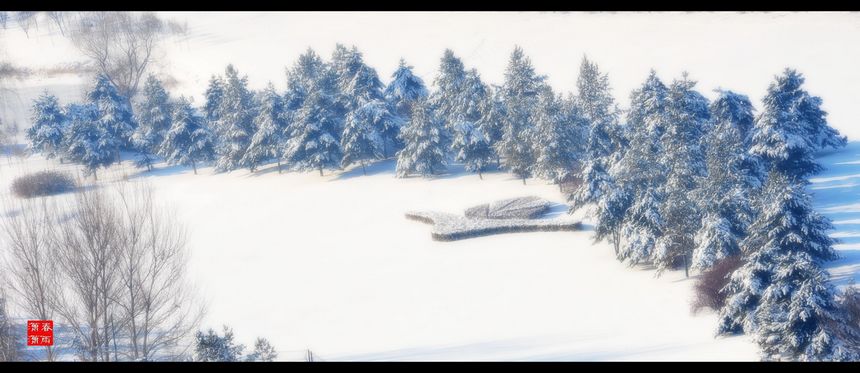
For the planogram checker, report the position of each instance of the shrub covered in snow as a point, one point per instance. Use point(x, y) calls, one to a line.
point(43, 183)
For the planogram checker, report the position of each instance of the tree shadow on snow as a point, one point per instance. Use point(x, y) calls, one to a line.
point(836, 194)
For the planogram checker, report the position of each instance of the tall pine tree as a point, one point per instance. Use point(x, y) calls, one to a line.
point(270, 123)
point(424, 151)
point(153, 119)
point(314, 142)
point(46, 133)
point(520, 92)
point(189, 141)
point(114, 113)
point(236, 121)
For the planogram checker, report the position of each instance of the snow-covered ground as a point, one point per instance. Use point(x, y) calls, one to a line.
point(332, 265)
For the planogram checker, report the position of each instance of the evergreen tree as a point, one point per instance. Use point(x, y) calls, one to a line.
point(404, 90)
point(643, 223)
point(446, 99)
point(424, 151)
point(594, 98)
point(785, 224)
point(236, 122)
point(736, 109)
point(556, 138)
point(87, 140)
point(472, 147)
point(781, 136)
point(46, 134)
point(188, 141)
point(211, 347)
point(611, 202)
point(214, 96)
point(114, 113)
point(781, 294)
point(686, 118)
point(822, 135)
point(153, 119)
point(492, 121)
point(263, 351)
point(521, 100)
point(362, 140)
point(315, 132)
point(722, 196)
point(269, 138)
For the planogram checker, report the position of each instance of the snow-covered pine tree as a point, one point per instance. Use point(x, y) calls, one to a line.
point(153, 120)
point(643, 223)
point(520, 89)
point(723, 197)
point(314, 142)
point(345, 65)
point(424, 151)
point(46, 134)
point(815, 119)
point(492, 120)
point(734, 108)
point(189, 141)
point(86, 140)
point(270, 123)
point(362, 140)
point(472, 147)
point(469, 107)
point(404, 89)
point(781, 135)
point(781, 293)
point(594, 98)
point(450, 82)
point(786, 223)
point(555, 140)
point(687, 117)
point(798, 316)
point(211, 347)
point(114, 113)
point(214, 96)
point(366, 102)
point(236, 122)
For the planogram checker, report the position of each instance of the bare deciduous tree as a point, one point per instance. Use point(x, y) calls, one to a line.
point(157, 304)
point(123, 260)
point(121, 44)
point(31, 271)
point(88, 252)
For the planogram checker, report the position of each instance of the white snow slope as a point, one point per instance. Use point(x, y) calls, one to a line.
point(332, 265)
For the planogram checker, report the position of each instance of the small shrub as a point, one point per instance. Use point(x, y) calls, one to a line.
point(849, 302)
point(708, 294)
point(43, 183)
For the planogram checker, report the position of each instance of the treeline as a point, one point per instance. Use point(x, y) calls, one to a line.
point(688, 182)
point(334, 114)
point(676, 181)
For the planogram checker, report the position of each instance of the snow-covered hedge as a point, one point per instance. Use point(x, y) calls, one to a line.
point(512, 208)
point(450, 227)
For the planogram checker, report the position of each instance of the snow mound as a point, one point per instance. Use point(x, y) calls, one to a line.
point(513, 208)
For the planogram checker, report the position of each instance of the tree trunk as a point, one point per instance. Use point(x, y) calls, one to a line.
point(686, 267)
point(363, 170)
point(559, 186)
point(279, 165)
point(96, 175)
point(524, 180)
point(321, 172)
point(194, 166)
point(479, 175)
